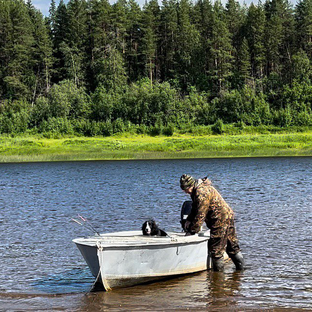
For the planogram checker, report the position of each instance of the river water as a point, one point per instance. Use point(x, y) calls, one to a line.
point(41, 269)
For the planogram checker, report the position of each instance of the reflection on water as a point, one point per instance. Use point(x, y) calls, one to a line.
point(199, 291)
point(42, 269)
point(72, 281)
point(223, 289)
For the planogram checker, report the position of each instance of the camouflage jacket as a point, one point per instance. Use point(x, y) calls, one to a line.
point(209, 206)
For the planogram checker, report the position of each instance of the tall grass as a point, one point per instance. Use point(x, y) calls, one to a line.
point(36, 148)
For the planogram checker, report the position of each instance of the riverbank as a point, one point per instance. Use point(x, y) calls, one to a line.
point(37, 148)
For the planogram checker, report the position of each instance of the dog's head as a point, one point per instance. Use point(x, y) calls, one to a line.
point(149, 227)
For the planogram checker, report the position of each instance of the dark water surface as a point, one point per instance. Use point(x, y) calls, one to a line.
point(41, 269)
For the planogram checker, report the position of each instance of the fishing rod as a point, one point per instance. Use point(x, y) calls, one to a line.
point(86, 225)
point(89, 223)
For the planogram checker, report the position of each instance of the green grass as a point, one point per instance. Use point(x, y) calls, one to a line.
point(36, 148)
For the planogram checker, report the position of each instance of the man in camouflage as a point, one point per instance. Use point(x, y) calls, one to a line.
point(209, 206)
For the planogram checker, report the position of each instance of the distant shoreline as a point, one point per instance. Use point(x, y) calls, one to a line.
point(180, 146)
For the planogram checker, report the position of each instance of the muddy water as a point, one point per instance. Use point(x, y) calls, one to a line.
point(41, 269)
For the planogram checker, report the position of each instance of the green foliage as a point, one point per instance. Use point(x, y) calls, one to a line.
point(14, 116)
point(283, 117)
point(148, 103)
point(109, 70)
point(218, 127)
point(66, 100)
point(55, 125)
point(168, 130)
point(95, 68)
point(105, 104)
point(244, 105)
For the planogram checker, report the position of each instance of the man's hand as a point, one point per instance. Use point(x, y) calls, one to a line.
point(187, 225)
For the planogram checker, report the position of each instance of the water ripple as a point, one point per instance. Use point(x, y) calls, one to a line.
point(272, 201)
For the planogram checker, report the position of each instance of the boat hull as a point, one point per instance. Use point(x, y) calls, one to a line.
point(123, 259)
point(131, 266)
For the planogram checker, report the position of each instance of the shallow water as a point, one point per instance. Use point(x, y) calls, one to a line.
point(41, 269)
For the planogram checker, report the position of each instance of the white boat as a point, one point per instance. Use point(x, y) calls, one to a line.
point(122, 259)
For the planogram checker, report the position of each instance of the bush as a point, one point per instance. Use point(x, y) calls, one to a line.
point(142, 129)
point(66, 100)
point(105, 105)
point(218, 127)
point(168, 130)
point(243, 105)
point(118, 126)
point(14, 116)
point(40, 111)
point(303, 119)
point(282, 118)
point(56, 126)
point(146, 103)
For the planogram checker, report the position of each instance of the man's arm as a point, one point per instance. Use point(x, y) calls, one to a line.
point(202, 201)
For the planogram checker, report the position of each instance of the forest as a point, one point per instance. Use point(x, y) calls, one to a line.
point(94, 68)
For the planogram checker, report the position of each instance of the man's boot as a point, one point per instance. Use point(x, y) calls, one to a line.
point(238, 260)
point(217, 264)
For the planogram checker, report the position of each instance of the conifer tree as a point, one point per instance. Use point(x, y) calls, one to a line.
point(242, 65)
point(59, 39)
point(303, 20)
point(301, 67)
point(119, 20)
point(108, 42)
point(255, 35)
point(74, 47)
point(41, 53)
point(235, 19)
point(150, 20)
point(15, 49)
point(278, 35)
point(204, 22)
point(187, 41)
point(110, 71)
point(168, 32)
point(220, 50)
point(134, 41)
point(99, 38)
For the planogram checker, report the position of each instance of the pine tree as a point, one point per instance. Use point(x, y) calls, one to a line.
point(255, 35)
point(242, 65)
point(99, 29)
point(278, 34)
point(51, 18)
point(107, 32)
point(187, 41)
point(74, 47)
point(15, 49)
point(220, 50)
point(204, 24)
point(41, 53)
point(59, 39)
point(303, 19)
point(301, 67)
point(134, 41)
point(150, 27)
point(168, 45)
point(235, 17)
point(119, 20)
point(109, 70)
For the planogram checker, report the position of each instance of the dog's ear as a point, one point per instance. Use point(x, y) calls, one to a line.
point(154, 225)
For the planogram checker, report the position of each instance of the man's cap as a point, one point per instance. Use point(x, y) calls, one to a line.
point(186, 181)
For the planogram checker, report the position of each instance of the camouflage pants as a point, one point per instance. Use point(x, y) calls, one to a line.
point(223, 239)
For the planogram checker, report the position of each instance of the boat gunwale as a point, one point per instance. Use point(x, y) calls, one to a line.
point(155, 241)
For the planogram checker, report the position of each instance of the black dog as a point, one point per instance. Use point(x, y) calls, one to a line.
point(150, 228)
